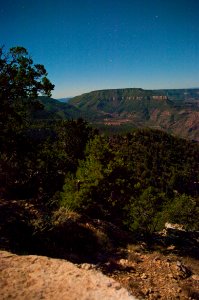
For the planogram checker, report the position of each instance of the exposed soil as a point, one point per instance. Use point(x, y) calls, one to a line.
point(152, 275)
point(165, 268)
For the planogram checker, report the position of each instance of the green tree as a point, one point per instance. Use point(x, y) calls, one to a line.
point(145, 212)
point(84, 192)
point(59, 154)
point(102, 185)
point(184, 210)
point(21, 81)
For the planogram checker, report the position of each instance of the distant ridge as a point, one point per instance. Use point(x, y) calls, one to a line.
point(173, 110)
point(64, 100)
point(172, 94)
point(56, 110)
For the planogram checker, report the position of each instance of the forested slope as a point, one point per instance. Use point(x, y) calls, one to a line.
point(140, 180)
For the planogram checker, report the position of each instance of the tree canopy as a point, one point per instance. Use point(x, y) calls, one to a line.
point(21, 81)
point(140, 180)
point(20, 77)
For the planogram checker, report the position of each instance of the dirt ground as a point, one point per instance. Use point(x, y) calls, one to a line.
point(168, 269)
point(152, 275)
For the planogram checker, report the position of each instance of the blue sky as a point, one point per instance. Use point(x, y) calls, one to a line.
point(99, 44)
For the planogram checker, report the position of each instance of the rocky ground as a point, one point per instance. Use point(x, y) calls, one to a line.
point(37, 277)
point(152, 275)
point(165, 268)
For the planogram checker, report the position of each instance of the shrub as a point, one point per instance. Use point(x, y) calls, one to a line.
point(185, 210)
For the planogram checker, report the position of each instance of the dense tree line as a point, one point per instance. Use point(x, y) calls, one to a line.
point(140, 180)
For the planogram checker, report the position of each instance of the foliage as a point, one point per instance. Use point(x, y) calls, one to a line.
point(185, 210)
point(133, 180)
point(46, 153)
point(35, 155)
point(21, 82)
point(78, 192)
point(144, 212)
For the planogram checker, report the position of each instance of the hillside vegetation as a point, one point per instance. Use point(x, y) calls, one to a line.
point(56, 110)
point(138, 181)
